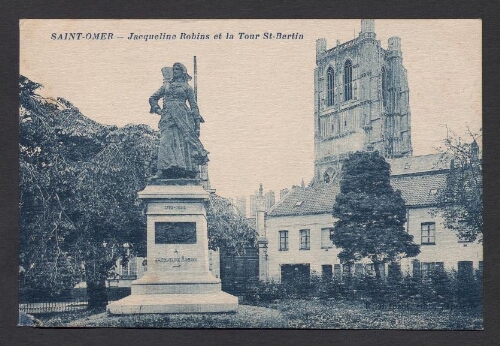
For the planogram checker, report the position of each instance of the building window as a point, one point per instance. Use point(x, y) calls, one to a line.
point(305, 239)
point(326, 242)
point(348, 80)
point(465, 270)
point(359, 269)
point(431, 267)
point(337, 271)
point(295, 273)
point(428, 233)
point(330, 86)
point(369, 269)
point(327, 271)
point(283, 240)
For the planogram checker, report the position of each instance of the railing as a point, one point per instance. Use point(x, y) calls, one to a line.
point(76, 302)
point(50, 307)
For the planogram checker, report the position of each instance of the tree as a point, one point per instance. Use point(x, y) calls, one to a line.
point(461, 200)
point(227, 228)
point(46, 265)
point(371, 215)
point(78, 203)
point(106, 210)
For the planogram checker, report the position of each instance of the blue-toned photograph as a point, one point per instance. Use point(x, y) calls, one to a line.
point(280, 174)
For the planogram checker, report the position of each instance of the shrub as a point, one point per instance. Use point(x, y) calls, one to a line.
point(265, 292)
point(436, 289)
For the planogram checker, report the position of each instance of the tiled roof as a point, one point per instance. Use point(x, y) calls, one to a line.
point(306, 200)
point(419, 164)
point(418, 189)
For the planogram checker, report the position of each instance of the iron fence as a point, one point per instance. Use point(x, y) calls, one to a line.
point(75, 301)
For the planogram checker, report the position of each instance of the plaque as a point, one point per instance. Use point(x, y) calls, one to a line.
point(175, 233)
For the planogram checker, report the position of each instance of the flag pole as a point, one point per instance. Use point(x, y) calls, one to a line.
point(195, 80)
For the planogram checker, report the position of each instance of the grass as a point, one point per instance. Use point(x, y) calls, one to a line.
point(286, 313)
point(334, 314)
point(246, 317)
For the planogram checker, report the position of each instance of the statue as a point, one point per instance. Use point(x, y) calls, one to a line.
point(180, 152)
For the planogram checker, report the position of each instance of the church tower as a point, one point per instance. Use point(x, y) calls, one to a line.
point(361, 101)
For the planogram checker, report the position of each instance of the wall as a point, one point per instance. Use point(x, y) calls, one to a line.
point(448, 248)
point(316, 256)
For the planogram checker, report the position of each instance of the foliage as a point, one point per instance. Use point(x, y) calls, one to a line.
point(78, 205)
point(45, 176)
point(371, 215)
point(461, 201)
point(438, 289)
point(79, 183)
point(264, 292)
point(106, 210)
point(227, 228)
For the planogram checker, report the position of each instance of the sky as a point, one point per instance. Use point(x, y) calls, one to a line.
point(256, 95)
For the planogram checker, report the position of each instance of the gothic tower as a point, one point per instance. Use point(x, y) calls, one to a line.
point(361, 101)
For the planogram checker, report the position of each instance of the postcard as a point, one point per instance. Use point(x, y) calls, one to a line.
point(312, 174)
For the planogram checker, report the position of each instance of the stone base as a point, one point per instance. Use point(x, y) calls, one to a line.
point(153, 284)
point(174, 304)
point(179, 181)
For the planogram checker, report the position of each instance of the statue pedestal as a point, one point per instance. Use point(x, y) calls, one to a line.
point(178, 279)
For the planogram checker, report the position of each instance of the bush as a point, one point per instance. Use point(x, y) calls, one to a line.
point(331, 289)
point(437, 289)
point(264, 292)
point(469, 290)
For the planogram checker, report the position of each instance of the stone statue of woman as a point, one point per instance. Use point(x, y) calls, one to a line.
point(180, 152)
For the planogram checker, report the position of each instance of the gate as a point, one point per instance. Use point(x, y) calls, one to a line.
point(238, 272)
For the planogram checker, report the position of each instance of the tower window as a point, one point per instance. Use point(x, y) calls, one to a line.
point(348, 80)
point(330, 86)
point(384, 98)
point(326, 177)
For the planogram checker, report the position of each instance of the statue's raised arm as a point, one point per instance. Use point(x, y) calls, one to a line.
point(180, 152)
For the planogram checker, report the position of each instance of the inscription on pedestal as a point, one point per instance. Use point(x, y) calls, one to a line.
point(175, 232)
point(175, 259)
point(175, 207)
